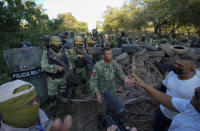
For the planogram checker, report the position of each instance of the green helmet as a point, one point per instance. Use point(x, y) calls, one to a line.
point(79, 40)
point(82, 34)
point(55, 40)
point(111, 37)
point(155, 36)
point(102, 33)
point(163, 40)
point(94, 30)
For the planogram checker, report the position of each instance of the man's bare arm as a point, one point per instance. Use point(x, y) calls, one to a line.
point(160, 97)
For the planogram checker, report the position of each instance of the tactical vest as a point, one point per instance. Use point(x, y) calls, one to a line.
point(122, 40)
point(51, 61)
point(81, 62)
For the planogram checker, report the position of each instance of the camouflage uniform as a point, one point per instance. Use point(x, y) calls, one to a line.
point(155, 40)
point(70, 40)
point(111, 41)
point(123, 39)
point(55, 80)
point(79, 64)
point(84, 38)
point(103, 39)
point(137, 39)
point(90, 42)
point(103, 78)
point(185, 41)
point(95, 37)
point(143, 39)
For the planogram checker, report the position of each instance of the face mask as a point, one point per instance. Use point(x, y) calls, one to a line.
point(16, 113)
point(56, 48)
point(177, 70)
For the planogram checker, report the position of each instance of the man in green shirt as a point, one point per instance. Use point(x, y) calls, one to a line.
point(103, 78)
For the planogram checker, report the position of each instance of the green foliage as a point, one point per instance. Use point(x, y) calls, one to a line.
point(162, 16)
point(70, 22)
point(23, 20)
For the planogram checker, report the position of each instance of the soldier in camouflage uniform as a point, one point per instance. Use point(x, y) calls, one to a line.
point(103, 78)
point(79, 64)
point(90, 42)
point(84, 38)
point(70, 40)
point(185, 41)
point(95, 37)
point(111, 41)
point(123, 39)
point(143, 39)
point(137, 39)
point(155, 40)
point(103, 39)
point(55, 72)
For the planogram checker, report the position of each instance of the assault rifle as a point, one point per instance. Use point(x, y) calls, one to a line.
point(68, 73)
point(90, 63)
point(115, 112)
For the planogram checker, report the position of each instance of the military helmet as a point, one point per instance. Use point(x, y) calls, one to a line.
point(82, 34)
point(25, 44)
point(94, 30)
point(123, 32)
point(155, 36)
point(111, 37)
point(61, 36)
point(102, 33)
point(79, 40)
point(55, 40)
point(164, 40)
point(66, 33)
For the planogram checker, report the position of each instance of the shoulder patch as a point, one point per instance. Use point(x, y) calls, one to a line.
point(94, 72)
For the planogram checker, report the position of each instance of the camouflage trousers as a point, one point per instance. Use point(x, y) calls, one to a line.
point(80, 74)
point(101, 111)
point(54, 85)
point(102, 108)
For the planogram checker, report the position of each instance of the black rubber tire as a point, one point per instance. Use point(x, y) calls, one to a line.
point(116, 51)
point(130, 48)
point(180, 50)
point(154, 54)
point(94, 50)
point(149, 47)
point(167, 49)
point(121, 57)
point(125, 61)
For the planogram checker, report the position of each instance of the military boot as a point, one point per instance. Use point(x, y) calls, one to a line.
point(52, 104)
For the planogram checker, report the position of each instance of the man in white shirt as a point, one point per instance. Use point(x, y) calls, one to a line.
point(188, 117)
point(180, 83)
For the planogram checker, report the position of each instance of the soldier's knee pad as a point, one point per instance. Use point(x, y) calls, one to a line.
point(52, 98)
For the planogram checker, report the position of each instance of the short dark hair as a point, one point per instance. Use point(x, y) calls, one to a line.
point(189, 58)
point(105, 49)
